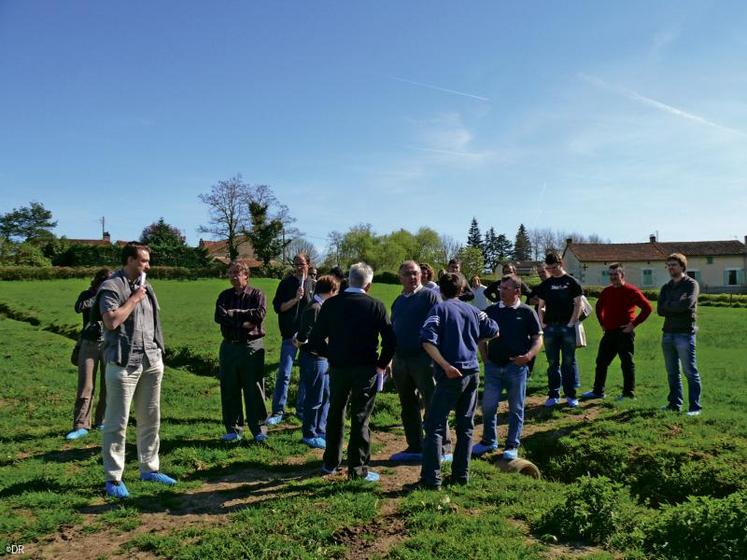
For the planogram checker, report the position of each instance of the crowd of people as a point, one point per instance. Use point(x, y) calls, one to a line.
point(347, 343)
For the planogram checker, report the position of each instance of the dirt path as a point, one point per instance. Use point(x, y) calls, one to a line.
point(210, 504)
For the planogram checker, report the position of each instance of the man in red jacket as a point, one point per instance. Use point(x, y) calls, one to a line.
point(616, 313)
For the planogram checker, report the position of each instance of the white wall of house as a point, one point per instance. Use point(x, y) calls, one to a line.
point(718, 273)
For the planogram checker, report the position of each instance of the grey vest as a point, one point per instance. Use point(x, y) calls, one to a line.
point(117, 343)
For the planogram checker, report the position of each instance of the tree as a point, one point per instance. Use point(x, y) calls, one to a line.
point(31, 223)
point(265, 234)
point(334, 249)
point(473, 262)
point(450, 247)
point(230, 206)
point(522, 245)
point(489, 250)
point(161, 234)
point(503, 248)
point(228, 212)
point(474, 238)
point(300, 245)
point(427, 246)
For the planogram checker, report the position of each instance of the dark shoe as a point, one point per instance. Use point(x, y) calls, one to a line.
point(419, 485)
point(327, 471)
point(451, 481)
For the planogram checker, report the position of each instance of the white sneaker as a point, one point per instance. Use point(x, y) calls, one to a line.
point(550, 402)
point(693, 413)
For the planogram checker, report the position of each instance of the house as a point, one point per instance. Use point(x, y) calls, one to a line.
point(718, 266)
point(218, 251)
point(105, 240)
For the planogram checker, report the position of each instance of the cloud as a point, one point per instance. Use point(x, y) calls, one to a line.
point(448, 140)
point(659, 105)
point(661, 40)
point(438, 88)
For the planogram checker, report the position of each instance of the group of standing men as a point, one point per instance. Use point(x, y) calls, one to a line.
point(347, 344)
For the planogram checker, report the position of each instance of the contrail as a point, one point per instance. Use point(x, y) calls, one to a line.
point(437, 88)
point(635, 96)
point(449, 152)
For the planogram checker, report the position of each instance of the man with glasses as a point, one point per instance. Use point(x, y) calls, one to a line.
point(559, 311)
point(240, 312)
point(615, 310)
point(678, 303)
point(293, 295)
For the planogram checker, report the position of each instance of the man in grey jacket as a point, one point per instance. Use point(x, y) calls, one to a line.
point(133, 351)
point(677, 303)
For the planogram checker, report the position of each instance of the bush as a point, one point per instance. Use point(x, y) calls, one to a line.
point(21, 254)
point(61, 272)
point(702, 527)
point(595, 510)
point(386, 277)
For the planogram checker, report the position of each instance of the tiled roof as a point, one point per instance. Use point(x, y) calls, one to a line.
point(703, 248)
point(653, 251)
point(97, 242)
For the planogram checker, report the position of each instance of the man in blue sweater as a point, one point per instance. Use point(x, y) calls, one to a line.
point(450, 336)
point(411, 368)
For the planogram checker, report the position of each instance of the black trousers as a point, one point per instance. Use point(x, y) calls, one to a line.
point(356, 385)
point(413, 376)
point(616, 343)
point(242, 369)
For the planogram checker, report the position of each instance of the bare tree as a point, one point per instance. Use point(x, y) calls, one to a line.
point(449, 248)
point(301, 245)
point(228, 212)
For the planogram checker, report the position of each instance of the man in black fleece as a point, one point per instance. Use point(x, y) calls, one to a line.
point(347, 332)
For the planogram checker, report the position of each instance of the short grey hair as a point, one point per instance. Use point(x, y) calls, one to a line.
point(360, 275)
point(405, 264)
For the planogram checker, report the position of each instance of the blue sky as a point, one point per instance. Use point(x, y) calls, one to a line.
point(619, 119)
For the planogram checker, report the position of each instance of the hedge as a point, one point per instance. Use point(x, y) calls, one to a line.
point(61, 272)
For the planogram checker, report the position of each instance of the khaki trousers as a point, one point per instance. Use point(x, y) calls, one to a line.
point(123, 385)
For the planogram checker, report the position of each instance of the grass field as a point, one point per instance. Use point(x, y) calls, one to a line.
point(621, 480)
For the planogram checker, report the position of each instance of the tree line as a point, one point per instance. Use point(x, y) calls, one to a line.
point(239, 212)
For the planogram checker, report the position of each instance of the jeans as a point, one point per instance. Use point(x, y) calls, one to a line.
point(513, 379)
point(242, 371)
point(680, 348)
point(123, 385)
point(561, 339)
point(461, 395)
point(282, 379)
point(315, 381)
point(616, 343)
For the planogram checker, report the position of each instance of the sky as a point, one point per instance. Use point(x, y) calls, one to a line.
point(614, 118)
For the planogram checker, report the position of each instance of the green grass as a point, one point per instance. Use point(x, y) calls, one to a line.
point(660, 459)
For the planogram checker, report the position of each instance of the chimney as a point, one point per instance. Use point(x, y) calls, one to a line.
point(107, 237)
point(652, 238)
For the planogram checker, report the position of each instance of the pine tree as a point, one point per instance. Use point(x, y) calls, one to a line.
point(503, 248)
point(489, 250)
point(474, 238)
point(522, 245)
